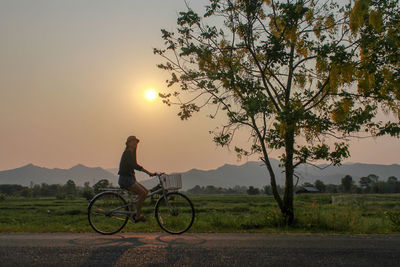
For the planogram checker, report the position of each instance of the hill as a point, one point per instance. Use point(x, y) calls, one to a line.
point(32, 173)
point(256, 174)
point(251, 173)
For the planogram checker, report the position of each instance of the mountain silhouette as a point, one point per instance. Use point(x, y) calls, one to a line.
point(255, 174)
point(37, 175)
point(248, 174)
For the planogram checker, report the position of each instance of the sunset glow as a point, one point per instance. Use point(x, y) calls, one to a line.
point(89, 79)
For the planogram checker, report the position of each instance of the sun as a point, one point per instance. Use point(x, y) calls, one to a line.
point(150, 94)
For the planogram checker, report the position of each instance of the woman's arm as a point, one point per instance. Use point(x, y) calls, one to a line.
point(148, 173)
point(136, 166)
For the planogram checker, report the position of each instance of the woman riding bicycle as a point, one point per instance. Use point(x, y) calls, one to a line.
point(127, 178)
point(109, 211)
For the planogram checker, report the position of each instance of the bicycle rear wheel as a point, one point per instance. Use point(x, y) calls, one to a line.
point(108, 213)
point(175, 213)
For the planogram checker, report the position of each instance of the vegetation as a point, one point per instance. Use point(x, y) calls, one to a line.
point(368, 184)
point(210, 189)
point(326, 213)
point(288, 71)
point(59, 208)
point(69, 190)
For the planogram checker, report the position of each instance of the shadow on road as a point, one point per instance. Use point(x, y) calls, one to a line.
point(107, 249)
point(230, 249)
point(124, 248)
point(173, 240)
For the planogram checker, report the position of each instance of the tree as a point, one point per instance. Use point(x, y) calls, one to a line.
point(240, 189)
point(70, 188)
point(392, 180)
point(36, 190)
point(370, 183)
point(394, 184)
point(104, 183)
point(320, 186)
point(365, 183)
point(288, 71)
point(347, 183)
point(87, 192)
point(331, 188)
point(253, 191)
point(373, 178)
point(10, 189)
point(267, 190)
point(26, 192)
point(307, 184)
point(195, 190)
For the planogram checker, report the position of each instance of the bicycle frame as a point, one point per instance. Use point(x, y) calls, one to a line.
point(131, 195)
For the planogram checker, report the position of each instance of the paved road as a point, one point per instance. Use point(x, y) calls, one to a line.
point(159, 249)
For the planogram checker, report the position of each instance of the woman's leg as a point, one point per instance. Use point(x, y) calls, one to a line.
point(143, 187)
point(141, 196)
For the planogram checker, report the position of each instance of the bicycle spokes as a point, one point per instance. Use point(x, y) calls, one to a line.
point(175, 213)
point(108, 213)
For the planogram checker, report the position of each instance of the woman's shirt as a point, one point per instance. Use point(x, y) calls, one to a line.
point(128, 164)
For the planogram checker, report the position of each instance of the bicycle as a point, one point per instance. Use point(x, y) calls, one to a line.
point(109, 212)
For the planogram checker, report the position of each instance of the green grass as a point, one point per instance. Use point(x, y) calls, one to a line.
point(324, 213)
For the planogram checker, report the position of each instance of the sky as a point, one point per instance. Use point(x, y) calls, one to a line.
point(73, 77)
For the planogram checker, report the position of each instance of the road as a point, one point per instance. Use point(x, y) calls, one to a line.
point(230, 249)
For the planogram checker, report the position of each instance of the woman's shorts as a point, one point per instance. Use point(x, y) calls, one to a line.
point(126, 181)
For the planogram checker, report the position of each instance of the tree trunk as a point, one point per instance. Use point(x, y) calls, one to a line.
point(287, 210)
point(273, 183)
point(269, 166)
point(286, 206)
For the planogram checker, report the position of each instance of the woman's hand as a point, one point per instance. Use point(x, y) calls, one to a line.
point(149, 173)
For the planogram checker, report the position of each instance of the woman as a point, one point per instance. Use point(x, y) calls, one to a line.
point(127, 179)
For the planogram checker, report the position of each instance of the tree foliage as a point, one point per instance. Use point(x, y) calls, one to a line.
point(70, 188)
point(320, 186)
point(253, 191)
point(347, 183)
point(295, 73)
point(104, 183)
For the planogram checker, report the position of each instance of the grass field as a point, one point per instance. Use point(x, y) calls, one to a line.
point(324, 213)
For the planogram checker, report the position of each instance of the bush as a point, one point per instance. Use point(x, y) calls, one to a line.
point(2, 197)
point(394, 218)
point(274, 218)
point(253, 191)
point(101, 184)
point(88, 193)
point(61, 196)
point(70, 196)
point(26, 192)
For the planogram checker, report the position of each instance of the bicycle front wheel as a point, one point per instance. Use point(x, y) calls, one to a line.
point(175, 213)
point(108, 213)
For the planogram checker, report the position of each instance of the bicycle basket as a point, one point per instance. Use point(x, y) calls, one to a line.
point(172, 182)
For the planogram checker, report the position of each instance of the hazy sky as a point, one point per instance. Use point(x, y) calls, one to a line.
point(72, 81)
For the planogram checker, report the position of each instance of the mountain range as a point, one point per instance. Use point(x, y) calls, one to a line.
point(248, 174)
point(30, 173)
